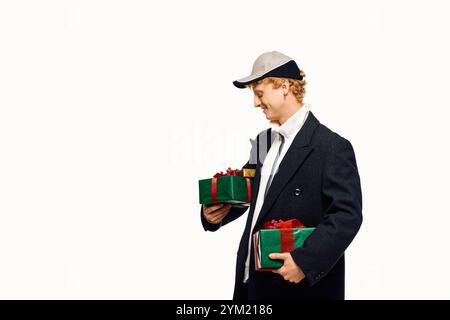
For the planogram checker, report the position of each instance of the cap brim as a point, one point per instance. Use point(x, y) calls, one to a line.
point(242, 83)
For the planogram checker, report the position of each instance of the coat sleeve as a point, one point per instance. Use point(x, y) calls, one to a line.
point(341, 190)
point(235, 212)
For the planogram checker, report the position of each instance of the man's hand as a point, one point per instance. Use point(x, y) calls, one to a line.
point(216, 212)
point(290, 271)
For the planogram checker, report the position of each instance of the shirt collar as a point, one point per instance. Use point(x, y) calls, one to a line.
point(292, 125)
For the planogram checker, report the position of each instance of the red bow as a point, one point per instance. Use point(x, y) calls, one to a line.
point(230, 172)
point(280, 224)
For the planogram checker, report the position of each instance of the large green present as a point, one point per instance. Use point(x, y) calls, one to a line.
point(234, 187)
point(280, 236)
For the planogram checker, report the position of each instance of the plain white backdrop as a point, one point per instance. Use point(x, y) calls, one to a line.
point(110, 112)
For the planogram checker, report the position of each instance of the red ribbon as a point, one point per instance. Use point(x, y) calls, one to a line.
point(214, 190)
point(286, 232)
point(229, 172)
point(249, 190)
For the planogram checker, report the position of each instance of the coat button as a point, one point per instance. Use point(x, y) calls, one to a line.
point(297, 192)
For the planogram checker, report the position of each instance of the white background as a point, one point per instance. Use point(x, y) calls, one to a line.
point(110, 112)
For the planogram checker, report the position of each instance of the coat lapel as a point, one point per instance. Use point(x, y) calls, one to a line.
point(292, 161)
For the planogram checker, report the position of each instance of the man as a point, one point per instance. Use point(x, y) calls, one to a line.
point(308, 173)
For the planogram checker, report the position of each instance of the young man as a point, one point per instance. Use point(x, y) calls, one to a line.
point(308, 173)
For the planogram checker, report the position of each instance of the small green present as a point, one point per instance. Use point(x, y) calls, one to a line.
point(280, 236)
point(230, 187)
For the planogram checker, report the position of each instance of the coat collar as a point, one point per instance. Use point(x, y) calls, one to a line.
point(292, 125)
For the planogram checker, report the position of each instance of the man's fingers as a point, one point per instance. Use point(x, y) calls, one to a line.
point(218, 219)
point(278, 256)
point(207, 209)
point(280, 270)
point(217, 215)
point(215, 219)
point(219, 212)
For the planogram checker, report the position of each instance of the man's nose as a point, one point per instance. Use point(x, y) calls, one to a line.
point(257, 102)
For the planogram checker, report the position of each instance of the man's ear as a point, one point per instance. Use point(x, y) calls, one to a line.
point(285, 86)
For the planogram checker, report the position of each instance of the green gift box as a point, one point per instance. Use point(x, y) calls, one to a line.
point(225, 189)
point(268, 241)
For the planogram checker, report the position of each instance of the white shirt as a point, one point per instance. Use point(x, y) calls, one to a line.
point(288, 130)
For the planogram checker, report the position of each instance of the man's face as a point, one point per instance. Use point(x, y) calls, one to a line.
point(269, 100)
